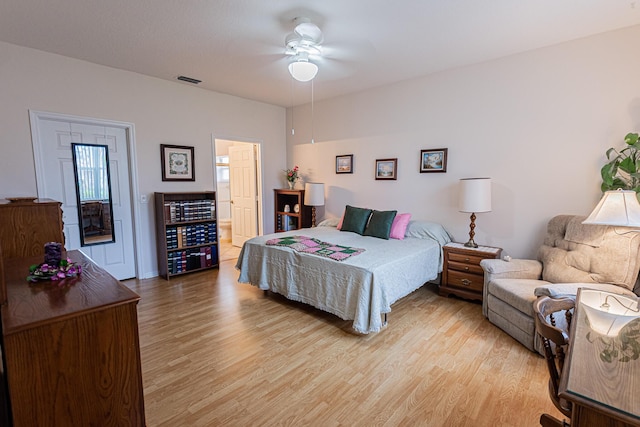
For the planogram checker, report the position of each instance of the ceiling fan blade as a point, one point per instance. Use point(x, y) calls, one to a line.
point(350, 50)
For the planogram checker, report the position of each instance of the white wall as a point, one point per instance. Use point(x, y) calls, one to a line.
point(537, 123)
point(163, 112)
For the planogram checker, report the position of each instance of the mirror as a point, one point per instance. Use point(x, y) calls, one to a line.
point(93, 193)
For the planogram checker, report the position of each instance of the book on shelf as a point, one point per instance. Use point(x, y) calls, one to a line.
point(212, 254)
point(287, 223)
point(189, 210)
point(192, 259)
point(190, 235)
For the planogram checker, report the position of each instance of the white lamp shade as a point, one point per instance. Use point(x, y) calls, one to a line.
point(314, 194)
point(303, 71)
point(609, 321)
point(617, 207)
point(475, 195)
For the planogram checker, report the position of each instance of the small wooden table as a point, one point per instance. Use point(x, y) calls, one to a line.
point(602, 393)
point(461, 272)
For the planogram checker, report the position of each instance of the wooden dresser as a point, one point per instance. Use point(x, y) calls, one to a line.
point(25, 226)
point(71, 349)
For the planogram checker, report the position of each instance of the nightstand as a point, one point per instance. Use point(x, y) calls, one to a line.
point(461, 272)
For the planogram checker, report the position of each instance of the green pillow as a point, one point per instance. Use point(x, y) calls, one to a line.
point(380, 224)
point(355, 219)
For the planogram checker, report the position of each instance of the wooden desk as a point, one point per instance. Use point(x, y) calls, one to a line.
point(602, 393)
point(72, 351)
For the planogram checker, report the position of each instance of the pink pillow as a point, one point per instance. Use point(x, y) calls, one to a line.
point(339, 227)
point(399, 226)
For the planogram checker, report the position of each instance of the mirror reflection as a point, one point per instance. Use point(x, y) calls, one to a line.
point(93, 191)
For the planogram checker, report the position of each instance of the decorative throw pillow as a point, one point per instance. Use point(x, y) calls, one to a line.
point(380, 224)
point(355, 219)
point(339, 226)
point(399, 226)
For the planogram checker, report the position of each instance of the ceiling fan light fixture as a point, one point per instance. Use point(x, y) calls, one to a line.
point(303, 70)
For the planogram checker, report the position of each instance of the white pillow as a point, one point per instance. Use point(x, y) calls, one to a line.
point(329, 222)
point(428, 230)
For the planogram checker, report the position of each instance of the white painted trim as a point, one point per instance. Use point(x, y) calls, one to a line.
point(259, 185)
point(35, 116)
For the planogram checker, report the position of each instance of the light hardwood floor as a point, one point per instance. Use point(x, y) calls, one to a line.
point(219, 353)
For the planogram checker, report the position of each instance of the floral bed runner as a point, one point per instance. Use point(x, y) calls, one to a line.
point(316, 247)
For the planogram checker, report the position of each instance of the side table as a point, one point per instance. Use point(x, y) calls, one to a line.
point(461, 272)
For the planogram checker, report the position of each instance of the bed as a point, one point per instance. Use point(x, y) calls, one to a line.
point(361, 288)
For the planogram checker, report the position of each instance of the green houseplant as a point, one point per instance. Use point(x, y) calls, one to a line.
point(623, 169)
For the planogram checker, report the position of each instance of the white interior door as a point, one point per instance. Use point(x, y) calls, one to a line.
point(56, 180)
point(244, 195)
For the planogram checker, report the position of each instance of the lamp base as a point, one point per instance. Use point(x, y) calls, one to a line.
point(471, 244)
point(313, 216)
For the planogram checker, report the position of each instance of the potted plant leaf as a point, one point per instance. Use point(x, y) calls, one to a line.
point(623, 169)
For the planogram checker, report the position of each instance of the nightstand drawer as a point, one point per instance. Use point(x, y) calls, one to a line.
point(468, 281)
point(469, 268)
point(467, 259)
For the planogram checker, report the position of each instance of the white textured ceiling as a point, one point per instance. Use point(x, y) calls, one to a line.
point(237, 46)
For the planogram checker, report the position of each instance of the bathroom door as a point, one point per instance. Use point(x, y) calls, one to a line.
point(244, 194)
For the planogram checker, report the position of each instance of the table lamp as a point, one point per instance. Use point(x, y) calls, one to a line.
point(474, 197)
point(617, 207)
point(609, 313)
point(313, 196)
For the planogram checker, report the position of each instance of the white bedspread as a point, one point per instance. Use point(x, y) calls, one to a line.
point(360, 288)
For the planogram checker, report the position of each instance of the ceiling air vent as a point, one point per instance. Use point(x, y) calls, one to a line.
point(189, 80)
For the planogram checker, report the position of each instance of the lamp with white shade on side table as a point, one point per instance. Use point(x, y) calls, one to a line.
point(474, 197)
point(313, 196)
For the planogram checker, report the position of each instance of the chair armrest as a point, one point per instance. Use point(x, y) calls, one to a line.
point(514, 269)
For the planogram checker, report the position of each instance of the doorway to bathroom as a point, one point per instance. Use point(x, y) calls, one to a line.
point(239, 192)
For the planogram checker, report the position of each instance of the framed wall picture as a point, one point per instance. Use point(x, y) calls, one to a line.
point(177, 163)
point(386, 168)
point(344, 164)
point(433, 160)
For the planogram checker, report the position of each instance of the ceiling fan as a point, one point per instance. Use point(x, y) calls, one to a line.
point(302, 45)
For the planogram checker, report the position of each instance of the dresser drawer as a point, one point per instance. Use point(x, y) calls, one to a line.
point(468, 268)
point(467, 259)
point(463, 280)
